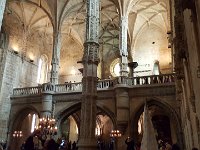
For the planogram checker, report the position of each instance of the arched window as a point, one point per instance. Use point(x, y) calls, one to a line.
point(42, 69)
point(115, 68)
point(156, 68)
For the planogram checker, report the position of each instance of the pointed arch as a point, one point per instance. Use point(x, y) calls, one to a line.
point(169, 110)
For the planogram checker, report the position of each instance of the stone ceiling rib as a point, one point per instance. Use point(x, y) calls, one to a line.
point(39, 19)
point(31, 18)
point(72, 14)
point(22, 11)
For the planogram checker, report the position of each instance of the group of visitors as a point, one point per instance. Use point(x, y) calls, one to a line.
point(131, 145)
point(35, 142)
point(105, 145)
point(167, 146)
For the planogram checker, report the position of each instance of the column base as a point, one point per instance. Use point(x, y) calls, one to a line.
point(87, 144)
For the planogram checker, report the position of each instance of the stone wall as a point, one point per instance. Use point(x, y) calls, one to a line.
point(17, 73)
point(192, 95)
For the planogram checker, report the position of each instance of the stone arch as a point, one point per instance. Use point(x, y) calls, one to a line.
point(20, 115)
point(16, 121)
point(66, 112)
point(110, 114)
point(170, 112)
point(62, 115)
point(40, 7)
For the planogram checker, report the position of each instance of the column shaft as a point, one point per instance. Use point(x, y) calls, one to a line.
point(123, 106)
point(55, 58)
point(123, 46)
point(47, 100)
point(2, 8)
point(89, 94)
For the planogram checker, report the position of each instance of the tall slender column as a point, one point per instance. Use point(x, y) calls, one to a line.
point(55, 58)
point(89, 94)
point(123, 46)
point(2, 8)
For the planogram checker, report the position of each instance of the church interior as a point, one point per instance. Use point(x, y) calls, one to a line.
point(83, 70)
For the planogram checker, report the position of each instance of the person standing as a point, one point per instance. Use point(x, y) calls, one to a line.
point(130, 143)
point(74, 145)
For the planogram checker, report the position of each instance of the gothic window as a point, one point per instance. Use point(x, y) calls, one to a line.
point(156, 68)
point(115, 68)
point(42, 69)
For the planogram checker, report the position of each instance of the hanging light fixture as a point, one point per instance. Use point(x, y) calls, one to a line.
point(47, 127)
point(115, 134)
point(17, 134)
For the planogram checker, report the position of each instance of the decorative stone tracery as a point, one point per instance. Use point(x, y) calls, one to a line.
point(123, 46)
point(89, 91)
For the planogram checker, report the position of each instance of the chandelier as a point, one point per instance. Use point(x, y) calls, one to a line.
point(17, 134)
point(115, 133)
point(46, 127)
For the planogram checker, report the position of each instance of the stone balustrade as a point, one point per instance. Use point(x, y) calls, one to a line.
point(107, 83)
point(69, 87)
point(27, 91)
point(144, 80)
point(102, 84)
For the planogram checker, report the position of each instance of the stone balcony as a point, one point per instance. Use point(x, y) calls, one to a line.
point(145, 85)
point(121, 98)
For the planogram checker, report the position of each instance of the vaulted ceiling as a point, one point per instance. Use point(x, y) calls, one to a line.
point(31, 24)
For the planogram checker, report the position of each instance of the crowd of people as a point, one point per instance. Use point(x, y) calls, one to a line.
point(131, 145)
point(36, 142)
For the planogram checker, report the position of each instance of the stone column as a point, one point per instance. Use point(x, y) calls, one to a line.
point(55, 57)
point(47, 100)
point(2, 8)
point(123, 46)
point(180, 49)
point(122, 104)
point(132, 66)
point(89, 93)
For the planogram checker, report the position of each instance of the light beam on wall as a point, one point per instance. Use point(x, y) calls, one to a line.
point(73, 71)
point(33, 123)
point(39, 70)
point(15, 47)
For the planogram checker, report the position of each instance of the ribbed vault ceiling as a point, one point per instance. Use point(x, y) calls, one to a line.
point(34, 21)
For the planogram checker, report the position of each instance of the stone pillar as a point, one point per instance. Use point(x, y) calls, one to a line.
point(2, 8)
point(180, 45)
point(123, 46)
point(47, 100)
point(55, 57)
point(132, 66)
point(180, 50)
point(89, 93)
point(122, 105)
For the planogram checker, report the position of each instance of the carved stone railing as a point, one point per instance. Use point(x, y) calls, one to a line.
point(69, 87)
point(28, 91)
point(145, 80)
point(107, 83)
point(102, 84)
